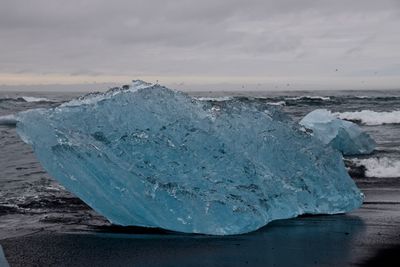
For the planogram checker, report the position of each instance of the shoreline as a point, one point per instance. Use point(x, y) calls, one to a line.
point(360, 238)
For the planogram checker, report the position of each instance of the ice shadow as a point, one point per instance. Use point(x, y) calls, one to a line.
point(305, 241)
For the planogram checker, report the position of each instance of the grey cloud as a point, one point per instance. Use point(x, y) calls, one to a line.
point(235, 37)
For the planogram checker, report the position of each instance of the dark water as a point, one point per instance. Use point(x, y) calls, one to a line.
point(31, 200)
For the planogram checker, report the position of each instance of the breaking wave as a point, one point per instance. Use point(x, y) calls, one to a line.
point(280, 103)
point(217, 99)
point(26, 99)
point(35, 99)
point(9, 120)
point(379, 167)
point(369, 117)
point(307, 97)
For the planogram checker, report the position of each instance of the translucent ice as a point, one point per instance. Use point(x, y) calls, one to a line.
point(150, 156)
point(345, 136)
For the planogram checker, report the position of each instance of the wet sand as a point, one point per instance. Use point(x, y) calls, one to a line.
point(369, 236)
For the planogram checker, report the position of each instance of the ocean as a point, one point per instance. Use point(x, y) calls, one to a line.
point(30, 200)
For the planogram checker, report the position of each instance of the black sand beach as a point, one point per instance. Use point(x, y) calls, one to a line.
point(366, 237)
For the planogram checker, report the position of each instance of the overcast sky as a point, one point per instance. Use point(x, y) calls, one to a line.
point(304, 44)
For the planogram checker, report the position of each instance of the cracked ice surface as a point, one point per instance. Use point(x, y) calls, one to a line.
point(345, 136)
point(151, 156)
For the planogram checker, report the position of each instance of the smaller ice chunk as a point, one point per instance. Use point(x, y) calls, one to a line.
point(345, 136)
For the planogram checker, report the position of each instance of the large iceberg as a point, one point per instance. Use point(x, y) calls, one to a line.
point(150, 156)
point(345, 136)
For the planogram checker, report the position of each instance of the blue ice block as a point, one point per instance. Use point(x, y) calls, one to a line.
point(150, 156)
point(345, 136)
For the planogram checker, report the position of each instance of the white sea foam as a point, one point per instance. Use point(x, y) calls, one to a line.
point(380, 167)
point(219, 98)
point(27, 99)
point(324, 98)
point(369, 117)
point(280, 103)
point(8, 120)
point(35, 99)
